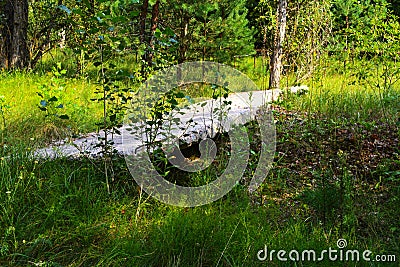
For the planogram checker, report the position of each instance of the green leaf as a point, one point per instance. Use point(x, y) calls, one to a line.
point(157, 33)
point(134, 13)
point(168, 31)
point(53, 99)
point(87, 4)
point(78, 11)
point(43, 103)
point(180, 95)
point(173, 102)
point(64, 117)
point(113, 117)
point(65, 9)
point(189, 99)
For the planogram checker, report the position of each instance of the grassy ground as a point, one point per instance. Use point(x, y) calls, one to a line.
point(336, 175)
point(22, 117)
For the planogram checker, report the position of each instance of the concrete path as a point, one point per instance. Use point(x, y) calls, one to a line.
point(199, 120)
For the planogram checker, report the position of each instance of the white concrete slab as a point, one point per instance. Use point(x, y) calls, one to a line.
point(200, 120)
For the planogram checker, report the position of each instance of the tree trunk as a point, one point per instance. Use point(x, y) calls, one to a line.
point(143, 15)
point(142, 36)
point(205, 38)
point(6, 28)
point(183, 33)
point(19, 49)
point(276, 59)
point(13, 47)
point(154, 23)
point(183, 46)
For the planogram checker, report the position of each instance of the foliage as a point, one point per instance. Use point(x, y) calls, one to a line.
point(365, 27)
point(52, 95)
point(210, 30)
point(100, 41)
point(308, 32)
point(46, 29)
point(104, 40)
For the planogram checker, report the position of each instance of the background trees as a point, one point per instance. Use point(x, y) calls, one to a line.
point(207, 30)
point(164, 32)
point(47, 28)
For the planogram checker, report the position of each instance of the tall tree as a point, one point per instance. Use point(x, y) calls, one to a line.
point(276, 59)
point(13, 35)
point(148, 38)
point(210, 29)
point(154, 24)
point(143, 15)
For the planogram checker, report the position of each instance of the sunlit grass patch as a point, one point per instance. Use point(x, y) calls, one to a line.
point(24, 119)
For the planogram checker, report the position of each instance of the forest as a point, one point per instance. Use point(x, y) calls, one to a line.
point(75, 70)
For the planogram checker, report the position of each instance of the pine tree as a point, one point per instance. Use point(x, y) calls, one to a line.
point(210, 30)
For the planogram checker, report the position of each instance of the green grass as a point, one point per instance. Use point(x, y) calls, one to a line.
point(58, 213)
point(20, 101)
point(23, 118)
point(333, 96)
point(335, 176)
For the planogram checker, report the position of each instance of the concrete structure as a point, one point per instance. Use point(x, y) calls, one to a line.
point(199, 120)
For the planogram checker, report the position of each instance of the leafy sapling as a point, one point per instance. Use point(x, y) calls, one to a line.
point(51, 95)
